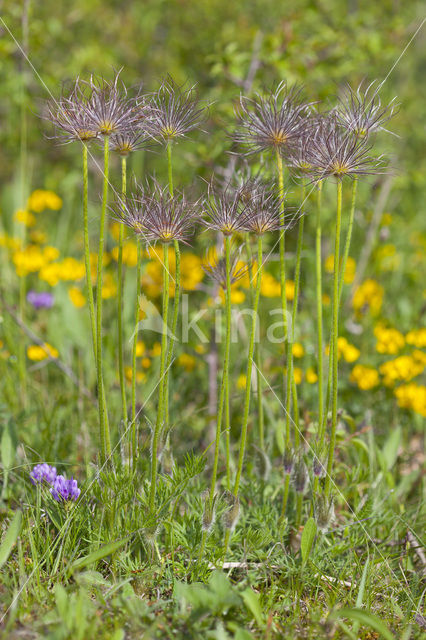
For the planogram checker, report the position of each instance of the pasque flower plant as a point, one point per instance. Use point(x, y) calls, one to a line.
point(298, 142)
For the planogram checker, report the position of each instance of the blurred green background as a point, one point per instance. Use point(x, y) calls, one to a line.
point(212, 43)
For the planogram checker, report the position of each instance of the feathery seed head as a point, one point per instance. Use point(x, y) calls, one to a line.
point(224, 210)
point(216, 268)
point(110, 108)
point(173, 111)
point(263, 211)
point(271, 122)
point(69, 115)
point(335, 152)
point(361, 112)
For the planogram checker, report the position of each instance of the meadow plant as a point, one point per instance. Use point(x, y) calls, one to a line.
point(302, 144)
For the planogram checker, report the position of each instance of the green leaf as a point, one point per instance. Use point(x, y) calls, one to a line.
point(308, 539)
point(252, 602)
point(390, 449)
point(102, 552)
point(10, 538)
point(7, 449)
point(366, 618)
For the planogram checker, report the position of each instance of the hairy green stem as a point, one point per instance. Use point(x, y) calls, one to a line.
point(249, 365)
point(103, 419)
point(176, 298)
point(257, 354)
point(332, 443)
point(89, 286)
point(225, 378)
point(348, 239)
point(319, 308)
point(160, 410)
point(289, 358)
point(134, 349)
point(173, 332)
point(120, 297)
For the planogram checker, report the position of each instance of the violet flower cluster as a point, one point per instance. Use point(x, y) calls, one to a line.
point(43, 472)
point(65, 489)
point(62, 488)
point(42, 300)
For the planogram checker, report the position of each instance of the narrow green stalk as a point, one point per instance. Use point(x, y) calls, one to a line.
point(246, 409)
point(22, 365)
point(87, 250)
point(348, 238)
point(282, 270)
point(249, 365)
point(320, 347)
point(176, 298)
point(289, 359)
point(160, 411)
point(134, 346)
point(332, 443)
point(103, 425)
point(173, 331)
point(120, 298)
point(342, 270)
point(225, 379)
point(293, 318)
point(284, 310)
point(299, 504)
point(257, 354)
point(319, 309)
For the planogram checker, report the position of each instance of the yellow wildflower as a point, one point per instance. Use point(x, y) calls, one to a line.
point(387, 257)
point(298, 350)
point(412, 396)
point(311, 376)
point(403, 368)
point(146, 362)
point(187, 361)
point(241, 381)
point(388, 340)
point(369, 295)
point(25, 217)
point(365, 377)
point(140, 375)
point(270, 287)
point(130, 254)
point(28, 260)
point(38, 352)
point(289, 289)
point(156, 350)
point(71, 269)
point(349, 352)
point(76, 297)
point(349, 270)
point(140, 348)
point(417, 337)
point(298, 375)
point(50, 273)
point(41, 199)
point(109, 286)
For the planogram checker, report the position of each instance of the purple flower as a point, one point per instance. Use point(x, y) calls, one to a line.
point(43, 472)
point(64, 489)
point(42, 300)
